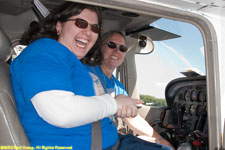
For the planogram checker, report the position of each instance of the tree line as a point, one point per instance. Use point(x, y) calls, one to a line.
point(153, 101)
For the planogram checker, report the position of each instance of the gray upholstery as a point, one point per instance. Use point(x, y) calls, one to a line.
point(11, 130)
point(5, 46)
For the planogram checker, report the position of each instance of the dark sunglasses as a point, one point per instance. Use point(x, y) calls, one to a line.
point(113, 45)
point(83, 24)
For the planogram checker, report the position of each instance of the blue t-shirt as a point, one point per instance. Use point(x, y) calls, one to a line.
point(111, 85)
point(48, 65)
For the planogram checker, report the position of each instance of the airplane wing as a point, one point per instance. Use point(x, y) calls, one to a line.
point(154, 33)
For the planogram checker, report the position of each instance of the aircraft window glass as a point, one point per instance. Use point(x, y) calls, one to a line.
point(169, 58)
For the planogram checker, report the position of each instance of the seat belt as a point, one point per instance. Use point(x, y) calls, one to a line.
point(96, 136)
point(96, 130)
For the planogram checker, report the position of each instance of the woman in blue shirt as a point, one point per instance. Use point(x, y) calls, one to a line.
point(54, 92)
point(114, 50)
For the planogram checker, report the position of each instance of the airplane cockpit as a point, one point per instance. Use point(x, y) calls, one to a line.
point(184, 119)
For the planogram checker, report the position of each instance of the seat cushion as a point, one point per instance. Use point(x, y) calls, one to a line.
point(12, 132)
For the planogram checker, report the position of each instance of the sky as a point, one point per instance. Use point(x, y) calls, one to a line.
point(170, 57)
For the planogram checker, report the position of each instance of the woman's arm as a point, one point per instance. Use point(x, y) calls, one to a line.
point(145, 131)
point(65, 109)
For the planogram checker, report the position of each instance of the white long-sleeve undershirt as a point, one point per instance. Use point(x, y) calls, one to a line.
point(65, 109)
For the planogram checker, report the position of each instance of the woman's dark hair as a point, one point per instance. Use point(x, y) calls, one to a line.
point(31, 33)
point(47, 28)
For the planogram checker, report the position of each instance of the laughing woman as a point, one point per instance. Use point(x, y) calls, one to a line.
point(54, 92)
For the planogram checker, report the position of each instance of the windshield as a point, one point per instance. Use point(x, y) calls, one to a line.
point(170, 58)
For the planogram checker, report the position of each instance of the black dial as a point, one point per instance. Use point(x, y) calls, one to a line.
point(194, 95)
point(186, 109)
point(199, 110)
point(201, 96)
point(192, 109)
point(187, 96)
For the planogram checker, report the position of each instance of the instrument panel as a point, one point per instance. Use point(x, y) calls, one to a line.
point(185, 119)
point(192, 100)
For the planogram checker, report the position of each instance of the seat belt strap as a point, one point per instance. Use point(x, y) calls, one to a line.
point(96, 129)
point(96, 136)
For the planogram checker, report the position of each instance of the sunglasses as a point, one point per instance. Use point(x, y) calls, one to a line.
point(83, 24)
point(113, 45)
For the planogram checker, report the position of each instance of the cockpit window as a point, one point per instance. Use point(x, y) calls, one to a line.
point(170, 58)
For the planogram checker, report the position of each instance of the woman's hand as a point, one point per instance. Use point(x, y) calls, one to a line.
point(126, 106)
